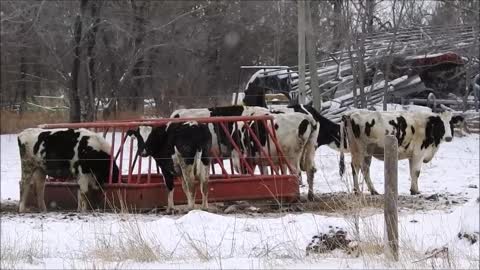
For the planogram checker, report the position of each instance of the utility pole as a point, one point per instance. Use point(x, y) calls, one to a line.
point(312, 48)
point(301, 50)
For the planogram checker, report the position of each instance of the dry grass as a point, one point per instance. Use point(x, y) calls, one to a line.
point(19, 251)
point(12, 122)
point(129, 243)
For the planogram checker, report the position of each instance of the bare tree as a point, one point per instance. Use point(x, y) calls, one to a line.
point(301, 50)
point(312, 59)
point(338, 26)
point(75, 108)
point(91, 61)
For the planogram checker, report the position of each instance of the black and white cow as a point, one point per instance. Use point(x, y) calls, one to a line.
point(419, 135)
point(179, 149)
point(63, 153)
point(296, 134)
point(331, 133)
point(221, 146)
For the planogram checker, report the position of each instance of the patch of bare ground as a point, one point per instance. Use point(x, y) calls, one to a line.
point(332, 204)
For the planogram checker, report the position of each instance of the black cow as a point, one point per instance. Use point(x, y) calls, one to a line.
point(63, 153)
point(179, 149)
point(255, 96)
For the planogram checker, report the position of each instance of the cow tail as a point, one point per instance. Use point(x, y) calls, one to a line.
point(342, 164)
point(197, 162)
point(308, 155)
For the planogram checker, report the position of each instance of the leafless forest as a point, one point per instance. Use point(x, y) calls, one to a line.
point(187, 53)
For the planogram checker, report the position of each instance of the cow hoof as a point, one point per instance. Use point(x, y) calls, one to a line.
point(356, 192)
point(414, 192)
point(310, 197)
point(374, 192)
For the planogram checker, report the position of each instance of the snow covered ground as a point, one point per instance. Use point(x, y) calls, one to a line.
point(249, 241)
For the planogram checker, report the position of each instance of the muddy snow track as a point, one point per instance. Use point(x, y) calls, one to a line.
point(330, 204)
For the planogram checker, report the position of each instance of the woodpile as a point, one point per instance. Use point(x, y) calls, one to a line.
point(420, 56)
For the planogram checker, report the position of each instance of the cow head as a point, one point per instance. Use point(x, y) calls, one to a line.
point(245, 143)
point(446, 119)
point(457, 121)
point(438, 128)
point(142, 134)
point(238, 136)
point(255, 96)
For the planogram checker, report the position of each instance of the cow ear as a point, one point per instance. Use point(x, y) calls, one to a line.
point(457, 119)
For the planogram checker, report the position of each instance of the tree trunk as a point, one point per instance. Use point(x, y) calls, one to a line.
point(312, 48)
point(278, 34)
point(37, 70)
point(114, 83)
point(22, 84)
point(214, 50)
point(301, 51)
point(370, 6)
point(74, 91)
point(136, 104)
point(354, 65)
point(337, 25)
point(91, 59)
point(361, 61)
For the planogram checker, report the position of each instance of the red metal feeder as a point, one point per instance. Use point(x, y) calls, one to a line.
point(142, 187)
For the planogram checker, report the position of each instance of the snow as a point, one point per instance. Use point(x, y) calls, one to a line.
point(399, 107)
point(206, 240)
point(281, 73)
point(424, 56)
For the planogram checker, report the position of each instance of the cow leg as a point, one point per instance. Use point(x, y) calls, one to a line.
point(283, 168)
point(188, 185)
point(203, 176)
point(24, 186)
point(415, 165)
point(355, 171)
point(366, 174)
point(263, 169)
point(300, 181)
point(24, 190)
point(237, 164)
point(170, 203)
point(39, 180)
point(310, 175)
point(83, 182)
point(186, 190)
point(298, 172)
point(170, 185)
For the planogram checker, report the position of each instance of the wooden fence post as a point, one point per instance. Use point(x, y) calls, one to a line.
point(391, 197)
